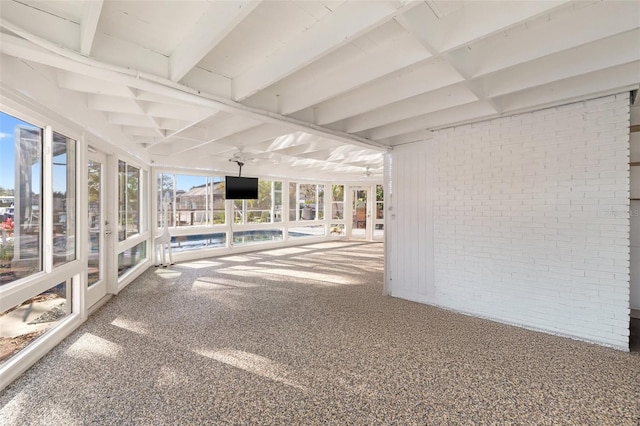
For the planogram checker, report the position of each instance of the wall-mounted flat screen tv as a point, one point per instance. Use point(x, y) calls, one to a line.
point(240, 188)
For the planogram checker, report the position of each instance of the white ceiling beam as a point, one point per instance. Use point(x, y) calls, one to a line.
point(255, 135)
point(23, 78)
point(226, 128)
point(172, 124)
point(474, 110)
point(610, 80)
point(86, 84)
point(357, 69)
point(446, 97)
point(207, 81)
point(564, 30)
point(43, 52)
point(584, 59)
point(135, 120)
point(477, 20)
point(116, 51)
point(112, 103)
point(419, 78)
point(180, 112)
point(338, 28)
point(213, 26)
point(89, 24)
point(140, 131)
point(19, 17)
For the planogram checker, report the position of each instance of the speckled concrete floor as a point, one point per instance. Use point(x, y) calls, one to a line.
point(304, 336)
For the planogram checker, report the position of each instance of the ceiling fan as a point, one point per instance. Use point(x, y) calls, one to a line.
point(368, 172)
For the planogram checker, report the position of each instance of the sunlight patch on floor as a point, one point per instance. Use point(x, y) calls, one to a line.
point(207, 283)
point(167, 274)
point(170, 377)
point(239, 258)
point(286, 251)
point(17, 404)
point(254, 364)
point(322, 246)
point(89, 346)
point(199, 264)
point(315, 276)
point(134, 326)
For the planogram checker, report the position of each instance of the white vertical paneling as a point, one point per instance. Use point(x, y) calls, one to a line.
point(634, 290)
point(410, 240)
point(635, 255)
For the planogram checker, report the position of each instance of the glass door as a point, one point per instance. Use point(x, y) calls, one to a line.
point(96, 275)
point(361, 216)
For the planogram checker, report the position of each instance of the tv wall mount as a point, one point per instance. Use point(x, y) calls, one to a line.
point(240, 163)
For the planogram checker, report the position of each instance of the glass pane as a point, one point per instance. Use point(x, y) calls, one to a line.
point(308, 201)
point(165, 195)
point(337, 202)
point(379, 202)
point(64, 199)
point(238, 211)
point(20, 199)
point(21, 325)
point(196, 242)
point(359, 209)
point(122, 200)
point(337, 229)
point(320, 204)
point(259, 211)
point(218, 200)
point(191, 200)
point(131, 257)
point(94, 178)
point(133, 200)
point(143, 212)
point(293, 196)
point(250, 237)
point(306, 231)
point(277, 201)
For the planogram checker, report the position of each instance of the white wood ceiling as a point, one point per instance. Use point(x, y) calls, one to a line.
point(322, 86)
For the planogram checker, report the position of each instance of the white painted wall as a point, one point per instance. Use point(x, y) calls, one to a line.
point(521, 219)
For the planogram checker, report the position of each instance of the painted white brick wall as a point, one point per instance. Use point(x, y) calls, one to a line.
point(530, 221)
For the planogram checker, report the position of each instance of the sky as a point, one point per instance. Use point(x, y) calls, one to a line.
point(8, 125)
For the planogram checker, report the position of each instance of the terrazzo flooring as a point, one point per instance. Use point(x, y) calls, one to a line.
point(304, 335)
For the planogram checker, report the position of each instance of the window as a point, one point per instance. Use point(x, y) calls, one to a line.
point(64, 199)
point(35, 317)
point(193, 195)
point(379, 202)
point(21, 191)
point(266, 208)
point(128, 200)
point(306, 201)
point(337, 202)
point(196, 242)
point(164, 201)
point(131, 257)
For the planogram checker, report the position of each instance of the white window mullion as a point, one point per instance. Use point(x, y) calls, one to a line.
point(46, 215)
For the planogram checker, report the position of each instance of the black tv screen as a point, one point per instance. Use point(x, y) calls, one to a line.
point(240, 188)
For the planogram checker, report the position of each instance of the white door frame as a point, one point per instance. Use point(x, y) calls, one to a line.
point(98, 290)
point(368, 231)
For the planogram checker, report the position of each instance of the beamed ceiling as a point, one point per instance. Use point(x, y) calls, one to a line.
point(313, 87)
